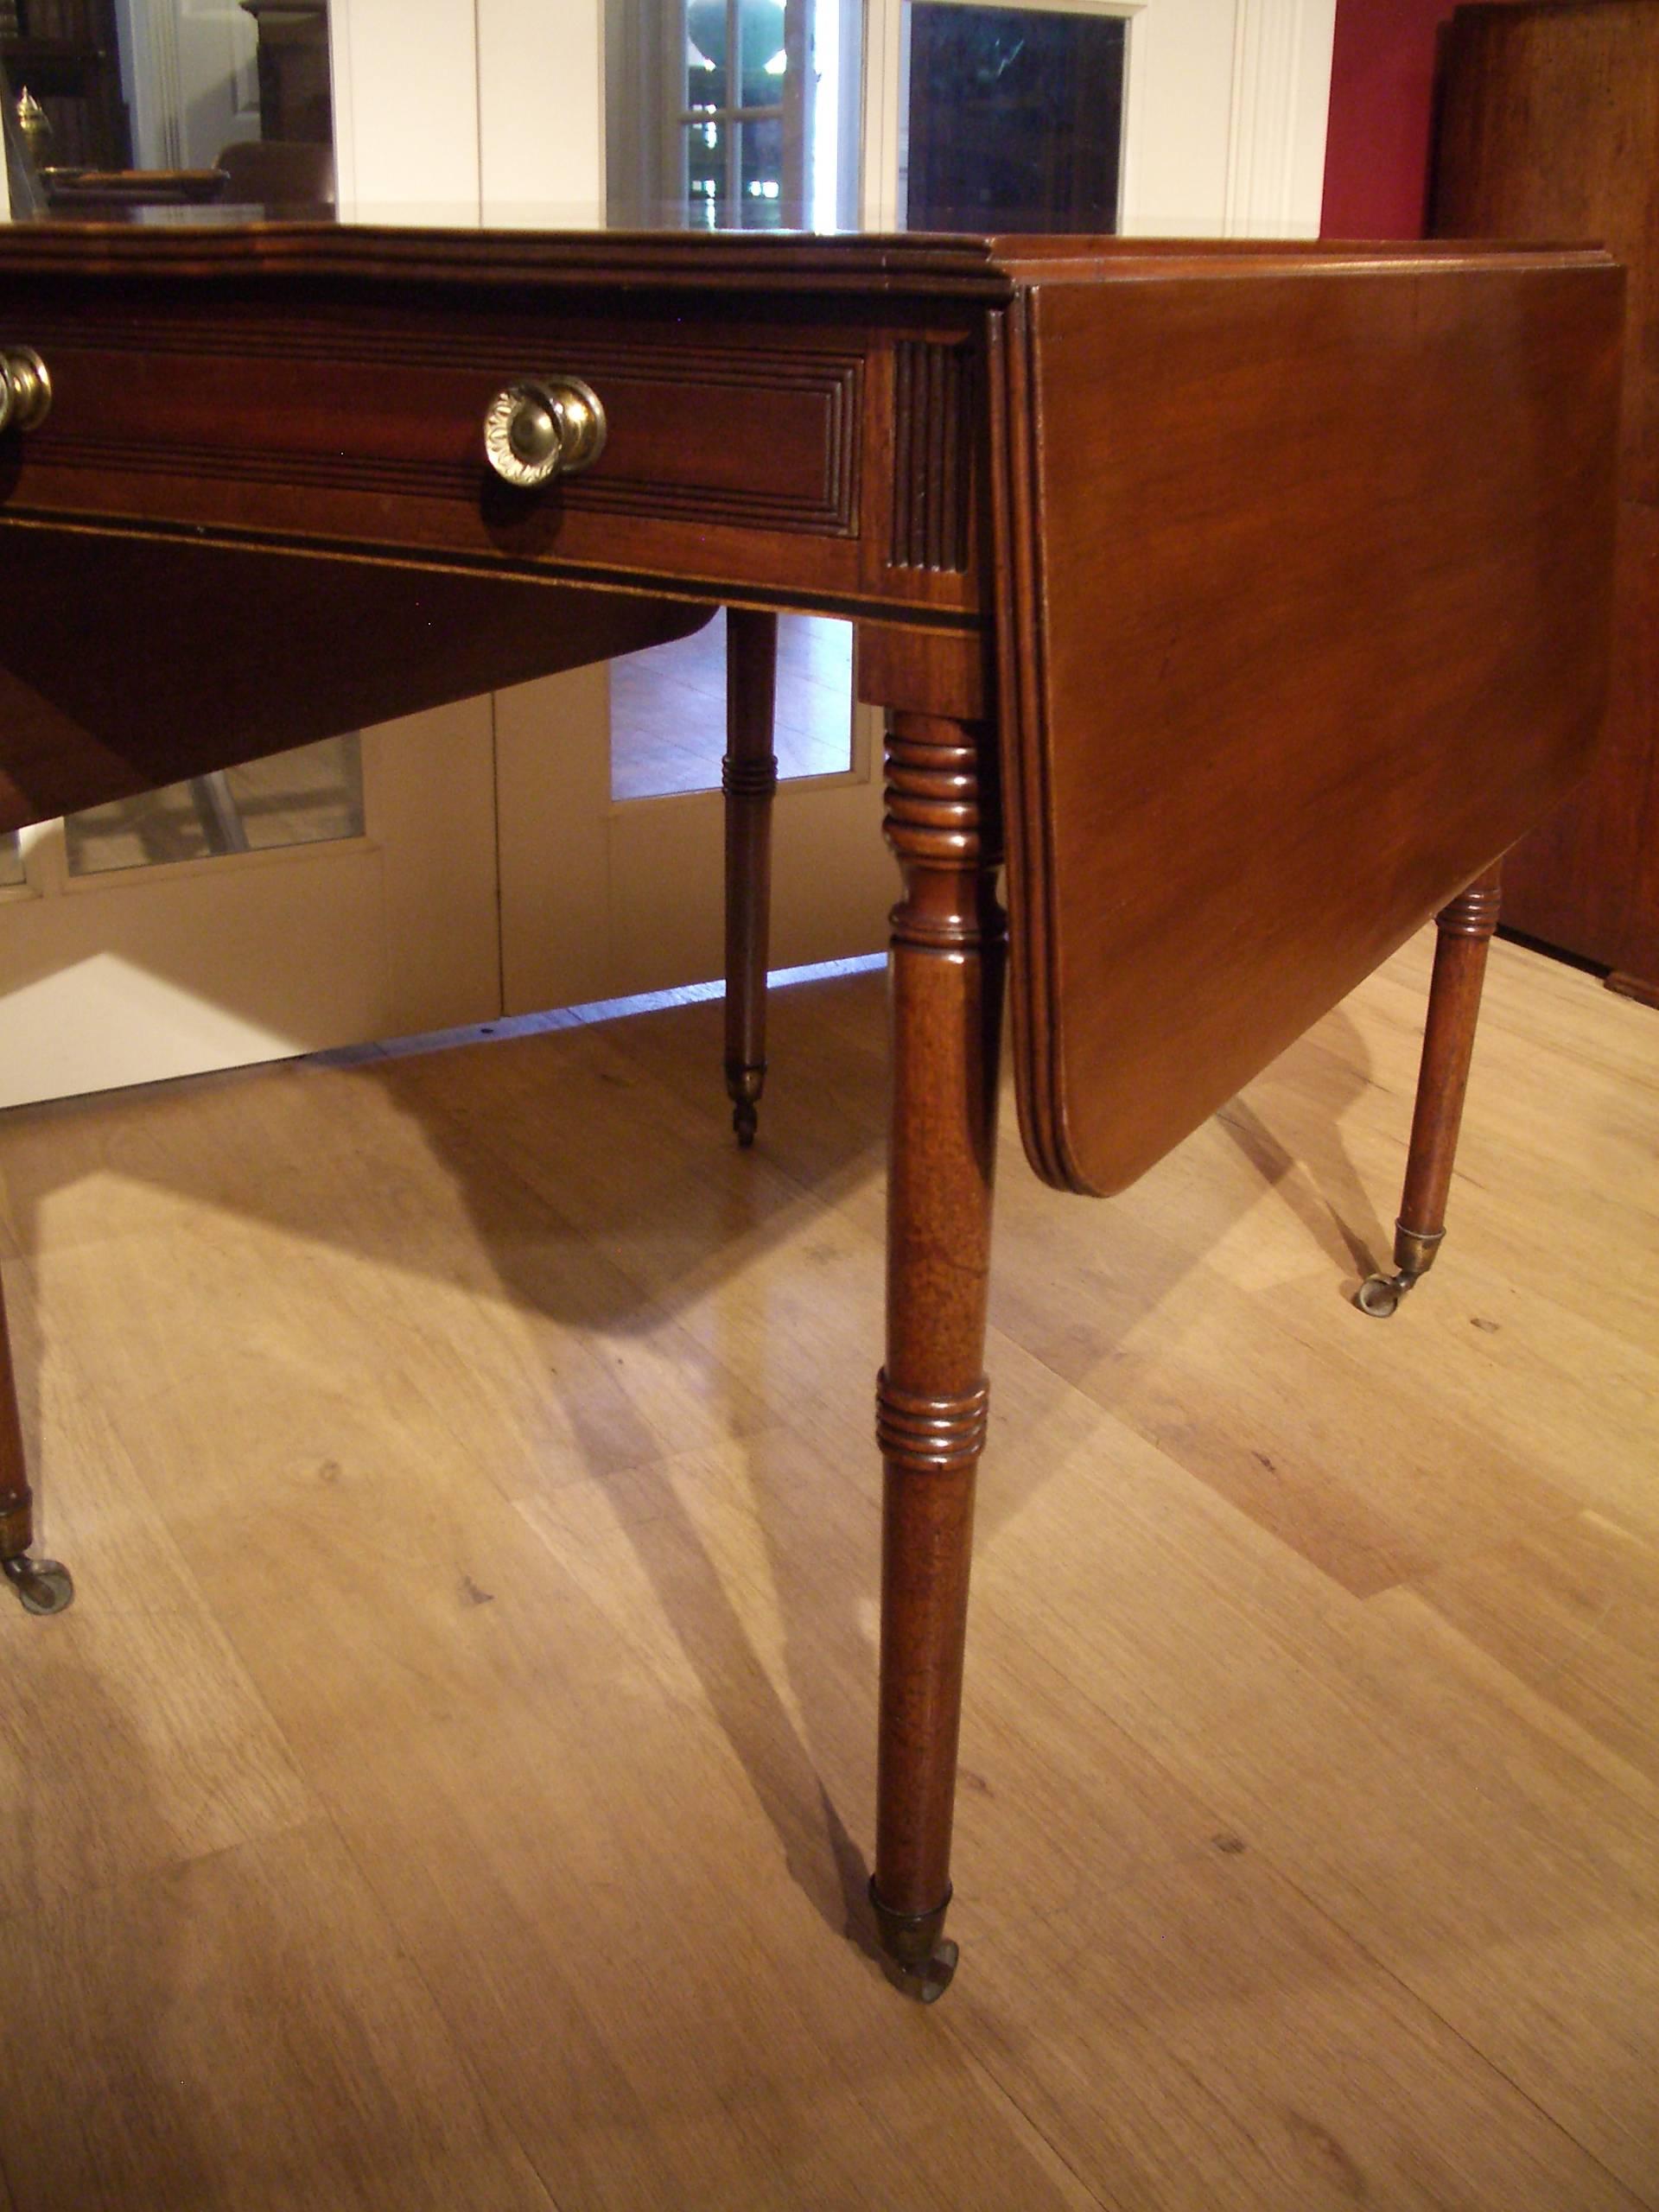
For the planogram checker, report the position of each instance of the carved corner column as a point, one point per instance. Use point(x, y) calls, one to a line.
point(43, 1584)
point(749, 777)
point(948, 952)
point(1463, 933)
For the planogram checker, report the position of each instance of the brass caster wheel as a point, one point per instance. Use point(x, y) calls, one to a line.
point(42, 1586)
point(928, 1982)
point(744, 1120)
point(1380, 1295)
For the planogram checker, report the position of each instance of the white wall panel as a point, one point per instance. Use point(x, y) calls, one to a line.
point(541, 106)
point(1226, 118)
point(405, 85)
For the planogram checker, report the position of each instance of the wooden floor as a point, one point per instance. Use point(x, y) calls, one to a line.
point(666, 701)
point(452, 1787)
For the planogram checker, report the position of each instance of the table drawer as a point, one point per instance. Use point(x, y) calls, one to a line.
point(722, 453)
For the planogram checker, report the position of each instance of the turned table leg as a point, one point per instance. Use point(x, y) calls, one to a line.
point(949, 937)
point(749, 777)
point(1464, 930)
point(43, 1585)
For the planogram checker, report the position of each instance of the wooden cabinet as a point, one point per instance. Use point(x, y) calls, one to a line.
point(65, 53)
point(1549, 129)
point(294, 105)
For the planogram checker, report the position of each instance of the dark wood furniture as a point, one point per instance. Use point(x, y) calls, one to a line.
point(67, 54)
point(292, 175)
point(1463, 933)
point(1250, 600)
point(286, 176)
point(749, 777)
point(295, 98)
point(1549, 128)
point(70, 192)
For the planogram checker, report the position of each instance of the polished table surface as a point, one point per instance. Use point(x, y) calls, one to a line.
point(1247, 599)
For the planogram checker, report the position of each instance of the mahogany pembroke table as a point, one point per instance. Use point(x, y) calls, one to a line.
point(1247, 601)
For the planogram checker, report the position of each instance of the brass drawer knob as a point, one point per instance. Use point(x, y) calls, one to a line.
point(536, 430)
point(25, 389)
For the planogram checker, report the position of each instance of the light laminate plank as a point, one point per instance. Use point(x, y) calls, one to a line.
point(658, 1998)
point(1498, 1861)
point(132, 1737)
point(515, 1429)
point(1573, 1611)
point(1223, 2042)
point(1208, 2038)
point(240, 2030)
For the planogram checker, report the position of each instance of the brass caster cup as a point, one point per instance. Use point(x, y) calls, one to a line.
point(920, 1959)
point(1415, 1251)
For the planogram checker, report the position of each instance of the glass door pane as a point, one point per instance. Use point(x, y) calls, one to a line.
point(1015, 119)
point(730, 115)
point(744, 159)
point(309, 796)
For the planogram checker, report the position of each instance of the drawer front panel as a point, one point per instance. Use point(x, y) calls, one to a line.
point(771, 443)
point(743, 454)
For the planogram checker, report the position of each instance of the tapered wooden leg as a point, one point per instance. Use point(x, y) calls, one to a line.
point(749, 777)
point(1464, 932)
point(43, 1585)
point(949, 937)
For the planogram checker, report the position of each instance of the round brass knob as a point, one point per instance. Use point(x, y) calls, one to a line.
point(25, 388)
point(539, 428)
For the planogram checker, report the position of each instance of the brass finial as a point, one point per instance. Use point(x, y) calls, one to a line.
point(35, 124)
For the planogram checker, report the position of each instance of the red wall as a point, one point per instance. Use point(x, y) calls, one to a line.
point(1382, 102)
point(1381, 92)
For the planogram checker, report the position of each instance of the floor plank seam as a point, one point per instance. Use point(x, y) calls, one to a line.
point(460, 2054)
point(1490, 2064)
point(983, 2063)
point(1282, 1872)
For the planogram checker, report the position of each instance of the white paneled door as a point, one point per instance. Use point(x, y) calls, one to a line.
point(494, 865)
